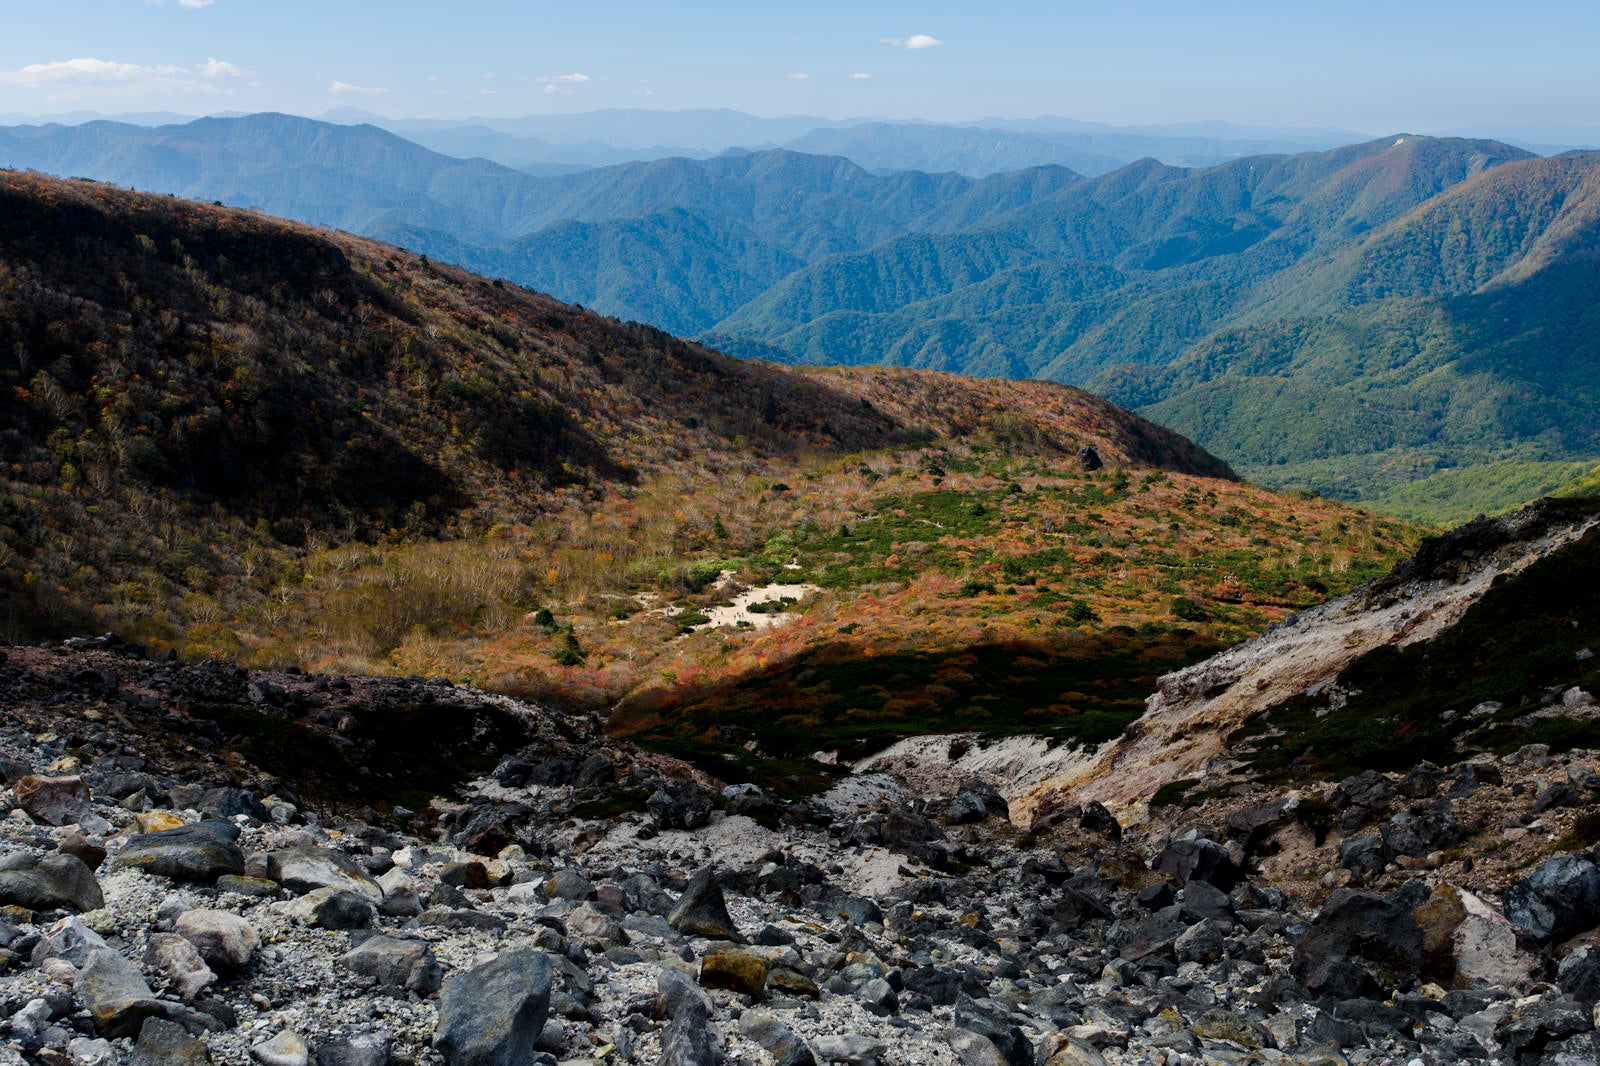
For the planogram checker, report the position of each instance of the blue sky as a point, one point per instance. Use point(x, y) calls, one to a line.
point(1422, 65)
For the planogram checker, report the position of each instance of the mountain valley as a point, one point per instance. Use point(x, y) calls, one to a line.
point(1400, 321)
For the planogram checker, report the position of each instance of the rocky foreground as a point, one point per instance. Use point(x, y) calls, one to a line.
point(165, 900)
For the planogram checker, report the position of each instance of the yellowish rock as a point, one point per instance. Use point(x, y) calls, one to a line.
point(738, 971)
point(156, 821)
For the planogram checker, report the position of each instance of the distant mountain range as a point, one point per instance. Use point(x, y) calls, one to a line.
point(562, 143)
point(1349, 320)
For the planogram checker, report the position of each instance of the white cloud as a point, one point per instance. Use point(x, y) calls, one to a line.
point(799, 75)
point(565, 79)
point(71, 79)
point(861, 75)
point(356, 90)
point(644, 92)
point(915, 42)
point(552, 90)
point(194, 3)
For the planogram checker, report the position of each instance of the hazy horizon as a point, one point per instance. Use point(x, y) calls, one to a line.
point(1361, 66)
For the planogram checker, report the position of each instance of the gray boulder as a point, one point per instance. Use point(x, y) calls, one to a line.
point(332, 908)
point(116, 994)
point(688, 1040)
point(180, 963)
point(492, 1015)
point(850, 1048)
point(200, 853)
point(54, 881)
point(408, 965)
point(67, 939)
point(307, 868)
point(362, 1049)
point(287, 1048)
point(226, 941)
point(776, 1038)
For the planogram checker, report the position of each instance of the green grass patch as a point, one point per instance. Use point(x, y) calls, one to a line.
point(906, 535)
point(1455, 496)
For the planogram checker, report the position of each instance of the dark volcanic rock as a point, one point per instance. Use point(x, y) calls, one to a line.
point(1532, 1025)
point(230, 802)
point(997, 1027)
point(1365, 855)
point(513, 772)
point(966, 809)
point(1375, 930)
point(201, 852)
point(679, 805)
point(1198, 859)
point(977, 800)
point(1421, 782)
point(1556, 795)
point(164, 1043)
point(688, 1040)
point(1154, 897)
point(702, 911)
point(1202, 900)
point(1339, 977)
point(1579, 974)
point(1362, 798)
point(1560, 898)
point(54, 881)
point(492, 1015)
point(487, 831)
point(1134, 940)
point(941, 984)
point(1096, 818)
point(1418, 835)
